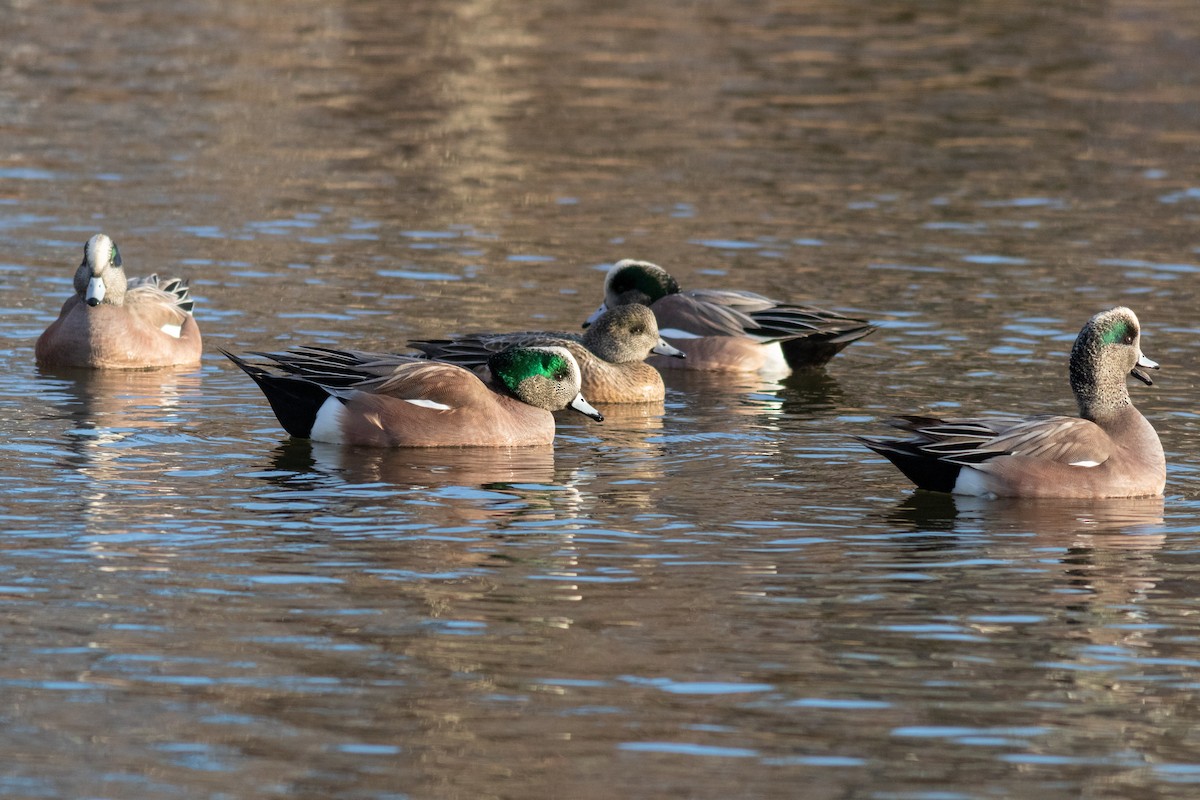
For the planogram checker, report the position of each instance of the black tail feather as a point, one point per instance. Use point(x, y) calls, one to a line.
point(925, 471)
point(816, 349)
point(294, 400)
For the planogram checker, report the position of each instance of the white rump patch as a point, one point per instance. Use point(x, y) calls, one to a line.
point(675, 333)
point(972, 482)
point(327, 427)
point(775, 363)
point(1084, 464)
point(95, 290)
point(173, 330)
point(429, 404)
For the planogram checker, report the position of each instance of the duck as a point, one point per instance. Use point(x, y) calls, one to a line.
point(354, 397)
point(729, 330)
point(611, 353)
point(115, 322)
point(1109, 450)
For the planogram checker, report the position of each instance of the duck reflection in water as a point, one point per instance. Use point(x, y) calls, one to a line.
point(476, 484)
point(1131, 518)
point(624, 468)
point(806, 393)
point(120, 429)
point(1085, 564)
point(114, 406)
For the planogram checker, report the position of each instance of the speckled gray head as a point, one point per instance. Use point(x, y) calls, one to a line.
point(625, 334)
point(100, 278)
point(1105, 352)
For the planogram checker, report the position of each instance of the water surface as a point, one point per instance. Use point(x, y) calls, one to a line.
point(723, 596)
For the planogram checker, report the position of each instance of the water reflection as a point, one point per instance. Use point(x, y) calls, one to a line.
point(118, 446)
point(701, 384)
point(1137, 518)
point(1097, 558)
point(948, 512)
point(115, 398)
point(631, 433)
point(811, 392)
point(805, 394)
point(473, 485)
point(125, 422)
point(420, 467)
point(1130, 520)
point(625, 464)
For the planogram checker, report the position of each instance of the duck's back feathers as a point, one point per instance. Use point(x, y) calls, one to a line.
point(704, 312)
point(474, 350)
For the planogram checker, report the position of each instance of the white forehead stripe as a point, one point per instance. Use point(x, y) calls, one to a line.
point(1084, 464)
point(100, 249)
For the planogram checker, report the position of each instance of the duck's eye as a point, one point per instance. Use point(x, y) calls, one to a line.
point(1128, 338)
point(638, 330)
point(562, 375)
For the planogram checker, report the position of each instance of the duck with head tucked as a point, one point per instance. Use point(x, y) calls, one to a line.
point(1109, 450)
point(729, 330)
point(384, 400)
point(114, 322)
point(611, 353)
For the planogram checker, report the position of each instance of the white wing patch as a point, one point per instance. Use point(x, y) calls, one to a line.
point(429, 404)
point(174, 331)
point(1084, 464)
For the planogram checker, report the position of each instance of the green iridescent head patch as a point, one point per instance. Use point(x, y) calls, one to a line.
point(518, 364)
point(1119, 331)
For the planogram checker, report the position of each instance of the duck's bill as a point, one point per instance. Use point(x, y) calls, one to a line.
point(95, 291)
point(595, 314)
point(664, 349)
point(1137, 372)
point(585, 408)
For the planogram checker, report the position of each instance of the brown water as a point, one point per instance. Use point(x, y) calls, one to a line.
point(725, 597)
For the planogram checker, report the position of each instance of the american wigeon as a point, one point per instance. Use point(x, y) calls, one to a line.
point(1110, 450)
point(611, 353)
point(728, 330)
point(114, 322)
point(384, 400)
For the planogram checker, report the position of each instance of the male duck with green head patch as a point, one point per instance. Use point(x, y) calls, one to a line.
point(1109, 450)
point(384, 400)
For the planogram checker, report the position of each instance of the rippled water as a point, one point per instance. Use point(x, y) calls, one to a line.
point(720, 597)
